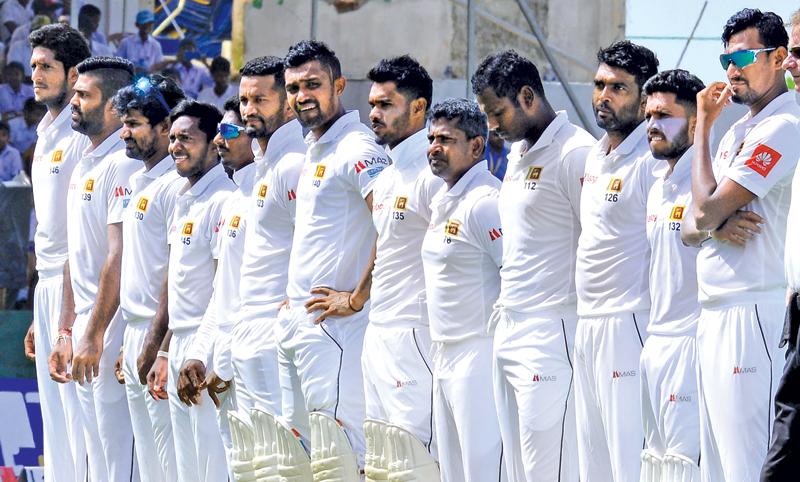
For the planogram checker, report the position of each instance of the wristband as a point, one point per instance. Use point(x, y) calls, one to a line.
point(350, 303)
point(162, 354)
point(65, 331)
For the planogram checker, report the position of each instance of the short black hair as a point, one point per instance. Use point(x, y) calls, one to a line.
point(4, 126)
point(470, 118)
point(680, 82)
point(88, 10)
point(208, 115)
point(506, 73)
point(232, 104)
point(114, 73)
point(15, 65)
point(264, 66)
point(308, 50)
point(31, 105)
point(410, 76)
point(147, 102)
point(220, 64)
point(770, 27)
point(67, 44)
point(634, 59)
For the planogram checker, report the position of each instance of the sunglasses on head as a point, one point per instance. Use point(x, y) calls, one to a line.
point(145, 88)
point(741, 58)
point(229, 131)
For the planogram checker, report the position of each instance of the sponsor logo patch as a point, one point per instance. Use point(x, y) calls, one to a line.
point(142, 206)
point(451, 228)
point(763, 159)
point(291, 195)
point(495, 233)
point(614, 185)
point(623, 373)
point(534, 172)
point(187, 229)
point(89, 185)
point(677, 213)
point(122, 191)
point(235, 221)
point(743, 370)
point(58, 156)
point(262, 191)
point(400, 203)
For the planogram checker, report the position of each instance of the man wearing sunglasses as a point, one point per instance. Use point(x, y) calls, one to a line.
point(144, 110)
point(741, 280)
point(781, 462)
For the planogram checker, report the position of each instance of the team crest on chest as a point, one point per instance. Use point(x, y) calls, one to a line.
point(451, 228)
point(614, 185)
point(534, 172)
point(187, 229)
point(88, 185)
point(677, 213)
point(400, 203)
point(58, 156)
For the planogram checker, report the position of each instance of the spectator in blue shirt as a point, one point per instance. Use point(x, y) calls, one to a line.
point(496, 155)
point(13, 93)
point(142, 49)
point(10, 160)
point(23, 129)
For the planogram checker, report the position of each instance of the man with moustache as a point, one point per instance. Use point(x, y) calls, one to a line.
point(461, 257)
point(396, 358)
point(332, 248)
point(144, 111)
point(194, 250)
point(57, 49)
point(99, 193)
point(539, 209)
point(611, 269)
point(669, 383)
point(742, 287)
point(233, 148)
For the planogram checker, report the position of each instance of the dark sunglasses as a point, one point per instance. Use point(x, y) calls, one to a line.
point(229, 131)
point(145, 88)
point(795, 51)
point(741, 58)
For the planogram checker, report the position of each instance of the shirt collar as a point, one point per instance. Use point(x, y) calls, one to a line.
point(333, 132)
point(244, 176)
point(286, 136)
point(467, 178)
point(110, 143)
point(202, 184)
point(550, 131)
point(159, 169)
point(48, 123)
point(683, 168)
point(768, 110)
point(406, 154)
point(628, 145)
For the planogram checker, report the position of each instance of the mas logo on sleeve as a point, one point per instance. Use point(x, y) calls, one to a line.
point(763, 159)
point(495, 234)
point(373, 166)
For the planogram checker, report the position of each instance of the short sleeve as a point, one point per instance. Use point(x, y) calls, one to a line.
point(572, 171)
point(118, 186)
point(425, 188)
point(366, 160)
point(486, 228)
point(769, 154)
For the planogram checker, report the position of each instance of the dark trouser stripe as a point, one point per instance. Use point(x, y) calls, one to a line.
point(430, 419)
point(769, 357)
point(566, 402)
point(338, 371)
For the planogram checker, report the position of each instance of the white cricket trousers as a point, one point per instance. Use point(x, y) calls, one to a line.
point(467, 430)
point(199, 451)
point(739, 365)
point(104, 409)
point(254, 356)
point(534, 393)
point(64, 449)
point(324, 362)
point(670, 410)
point(152, 427)
point(607, 396)
point(398, 379)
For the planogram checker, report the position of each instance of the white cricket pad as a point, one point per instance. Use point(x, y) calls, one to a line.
point(651, 467)
point(332, 457)
point(376, 462)
point(294, 465)
point(243, 447)
point(677, 468)
point(265, 451)
point(409, 460)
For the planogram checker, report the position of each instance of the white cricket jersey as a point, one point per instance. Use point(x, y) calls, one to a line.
point(462, 253)
point(193, 247)
point(223, 309)
point(674, 308)
point(401, 212)
point(58, 149)
point(613, 256)
point(99, 192)
point(265, 261)
point(334, 235)
point(760, 154)
point(145, 252)
point(540, 211)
